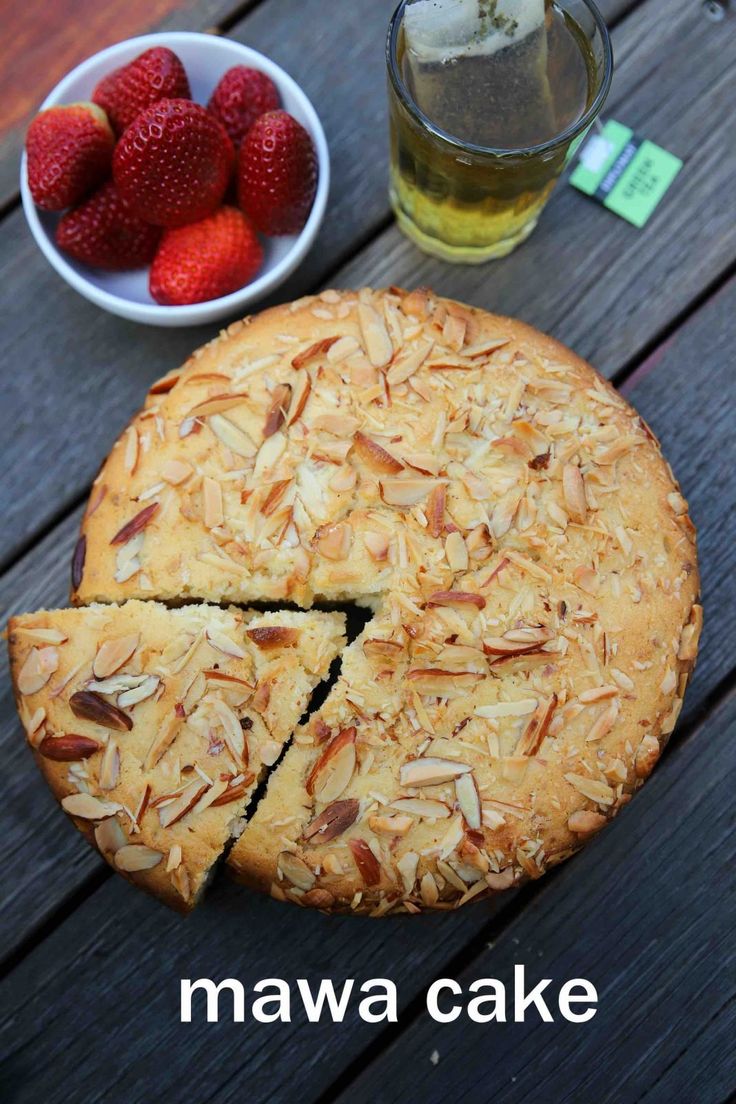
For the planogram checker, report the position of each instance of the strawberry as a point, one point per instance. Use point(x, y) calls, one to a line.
point(173, 163)
point(69, 151)
point(154, 75)
point(277, 174)
point(103, 232)
point(240, 97)
point(206, 259)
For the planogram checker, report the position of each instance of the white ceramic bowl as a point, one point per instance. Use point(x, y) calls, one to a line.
point(206, 58)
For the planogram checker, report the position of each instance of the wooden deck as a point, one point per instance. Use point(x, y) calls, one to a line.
point(90, 996)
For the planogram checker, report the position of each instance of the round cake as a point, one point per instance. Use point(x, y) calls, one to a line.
point(506, 516)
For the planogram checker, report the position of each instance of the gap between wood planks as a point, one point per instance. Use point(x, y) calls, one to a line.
point(508, 914)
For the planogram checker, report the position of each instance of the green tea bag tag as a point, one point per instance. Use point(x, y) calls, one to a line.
point(624, 172)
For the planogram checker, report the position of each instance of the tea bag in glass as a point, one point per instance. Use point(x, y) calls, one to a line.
point(478, 69)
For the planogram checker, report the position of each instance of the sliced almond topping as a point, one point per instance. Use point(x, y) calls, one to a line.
point(109, 835)
point(344, 479)
point(405, 492)
point(313, 352)
point(436, 511)
point(537, 727)
point(334, 768)
point(573, 489)
point(391, 825)
point(422, 807)
point(299, 394)
point(114, 654)
point(110, 766)
point(383, 649)
point(136, 524)
point(174, 859)
point(339, 424)
point(405, 367)
point(232, 436)
point(453, 332)
point(234, 791)
point(443, 684)
point(87, 807)
point(173, 811)
point(333, 821)
point(136, 856)
point(91, 706)
point(272, 501)
point(585, 821)
point(598, 693)
point(375, 336)
point(591, 788)
point(276, 415)
point(517, 641)
point(603, 724)
point(296, 870)
point(223, 643)
point(39, 666)
point(68, 748)
point(162, 741)
point(368, 865)
point(212, 502)
point(176, 471)
point(458, 598)
point(41, 635)
point(407, 868)
point(377, 545)
point(216, 404)
point(145, 689)
point(456, 552)
point(431, 771)
point(375, 456)
point(647, 755)
point(501, 881)
point(468, 800)
point(268, 637)
point(334, 541)
point(517, 708)
point(343, 348)
point(130, 450)
point(691, 635)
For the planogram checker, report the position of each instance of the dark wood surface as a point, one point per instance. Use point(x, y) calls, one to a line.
point(90, 996)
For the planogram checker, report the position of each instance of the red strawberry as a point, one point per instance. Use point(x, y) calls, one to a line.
point(277, 174)
point(154, 75)
point(173, 163)
point(102, 232)
point(240, 97)
point(69, 152)
point(206, 259)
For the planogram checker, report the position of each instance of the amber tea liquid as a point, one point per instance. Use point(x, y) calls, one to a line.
point(469, 204)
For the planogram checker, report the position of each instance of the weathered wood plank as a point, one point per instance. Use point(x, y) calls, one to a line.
point(597, 283)
point(69, 348)
point(41, 42)
point(651, 930)
point(127, 928)
point(82, 372)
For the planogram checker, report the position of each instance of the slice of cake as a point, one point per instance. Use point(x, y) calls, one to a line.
point(153, 726)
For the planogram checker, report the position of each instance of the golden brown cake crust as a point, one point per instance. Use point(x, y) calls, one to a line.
point(153, 727)
point(511, 520)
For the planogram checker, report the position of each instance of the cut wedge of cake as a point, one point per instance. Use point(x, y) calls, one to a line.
point(153, 726)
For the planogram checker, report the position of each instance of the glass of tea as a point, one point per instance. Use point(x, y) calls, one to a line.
point(488, 101)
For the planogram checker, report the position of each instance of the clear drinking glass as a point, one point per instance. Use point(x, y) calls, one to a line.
point(485, 112)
